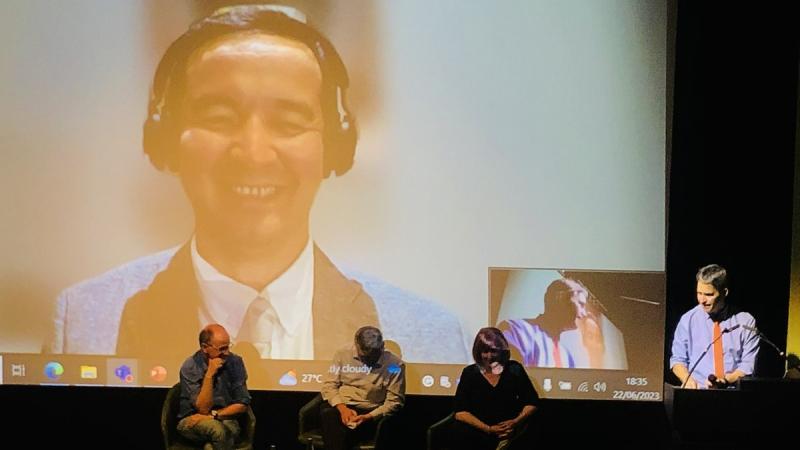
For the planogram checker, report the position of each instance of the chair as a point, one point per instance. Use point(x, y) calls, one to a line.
point(438, 437)
point(174, 441)
point(310, 427)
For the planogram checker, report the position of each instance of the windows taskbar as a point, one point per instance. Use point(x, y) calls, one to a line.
point(305, 375)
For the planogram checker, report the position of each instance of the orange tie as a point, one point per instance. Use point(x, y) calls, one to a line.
point(719, 363)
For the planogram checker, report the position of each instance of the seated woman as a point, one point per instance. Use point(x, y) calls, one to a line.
point(494, 398)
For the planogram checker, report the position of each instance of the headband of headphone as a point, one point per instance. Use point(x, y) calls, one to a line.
point(162, 127)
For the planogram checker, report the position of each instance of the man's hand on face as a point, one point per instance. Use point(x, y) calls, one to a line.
point(214, 364)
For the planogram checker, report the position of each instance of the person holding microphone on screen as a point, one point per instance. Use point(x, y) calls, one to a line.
point(537, 342)
point(715, 327)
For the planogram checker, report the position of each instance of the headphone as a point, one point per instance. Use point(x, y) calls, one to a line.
point(161, 128)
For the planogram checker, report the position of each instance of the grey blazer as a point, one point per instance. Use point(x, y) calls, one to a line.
point(89, 316)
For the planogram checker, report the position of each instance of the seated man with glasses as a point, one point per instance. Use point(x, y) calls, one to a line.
point(213, 391)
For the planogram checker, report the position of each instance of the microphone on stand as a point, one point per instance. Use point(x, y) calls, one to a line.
point(764, 338)
point(694, 366)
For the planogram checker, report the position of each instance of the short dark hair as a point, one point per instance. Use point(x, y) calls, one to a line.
point(715, 275)
point(205, 336)
point(558, 293)
point(160, 127)
point(369, 339)
point(488, 338)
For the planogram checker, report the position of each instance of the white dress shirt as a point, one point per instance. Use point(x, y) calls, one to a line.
point(285, 329)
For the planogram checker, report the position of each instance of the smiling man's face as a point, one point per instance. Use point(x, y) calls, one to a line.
point(251, 146)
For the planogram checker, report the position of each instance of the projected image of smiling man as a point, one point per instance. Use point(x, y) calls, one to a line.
point(248, 110)
point(249, 136)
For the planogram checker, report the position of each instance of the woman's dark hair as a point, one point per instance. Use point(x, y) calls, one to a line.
point(490, 339)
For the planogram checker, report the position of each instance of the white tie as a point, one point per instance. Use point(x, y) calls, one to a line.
point(257, 325)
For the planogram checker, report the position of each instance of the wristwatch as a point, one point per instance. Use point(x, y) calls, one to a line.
point(215, 414)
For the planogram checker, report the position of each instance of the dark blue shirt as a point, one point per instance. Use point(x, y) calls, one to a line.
point(230, 383)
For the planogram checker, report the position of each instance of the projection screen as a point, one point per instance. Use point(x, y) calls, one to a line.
point(502, 147)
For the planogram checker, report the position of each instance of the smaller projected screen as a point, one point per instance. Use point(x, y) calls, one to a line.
point(583, 334)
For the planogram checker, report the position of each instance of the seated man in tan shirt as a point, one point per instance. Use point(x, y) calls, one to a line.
point(364, 383)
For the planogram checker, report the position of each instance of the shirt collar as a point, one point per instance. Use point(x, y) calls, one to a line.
point(720, 316)
point(226, 300)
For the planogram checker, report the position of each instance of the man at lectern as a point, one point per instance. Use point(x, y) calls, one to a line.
point(715, 343)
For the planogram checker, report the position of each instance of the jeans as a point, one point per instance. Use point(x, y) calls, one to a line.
point(220, 434)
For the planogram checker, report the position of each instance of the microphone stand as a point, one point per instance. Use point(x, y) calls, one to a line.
point(761, 336)
point(781, 353)
point(694, 366)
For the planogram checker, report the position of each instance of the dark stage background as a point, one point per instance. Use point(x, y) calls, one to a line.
point(731, 159)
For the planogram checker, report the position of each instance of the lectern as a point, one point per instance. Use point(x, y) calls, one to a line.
point(757, 411)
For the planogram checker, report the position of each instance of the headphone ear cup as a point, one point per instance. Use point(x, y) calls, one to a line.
point(150, 140)
point(155, 140)
point(340, 147)
point(348, 137)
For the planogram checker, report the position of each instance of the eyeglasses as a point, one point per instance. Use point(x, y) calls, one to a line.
point(221, 349)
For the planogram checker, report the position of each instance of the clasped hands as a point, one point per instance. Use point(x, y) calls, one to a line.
point(351, 418)
point(502, 429)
